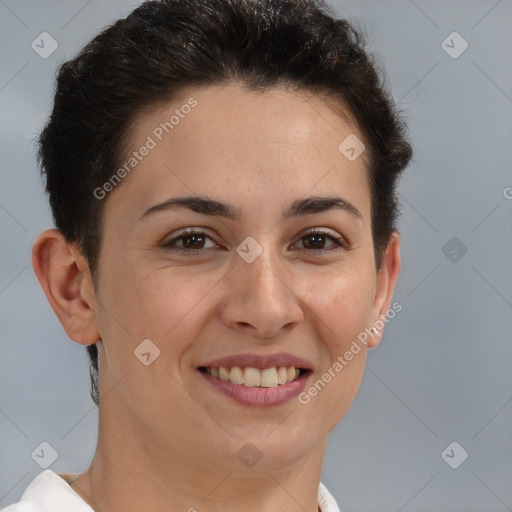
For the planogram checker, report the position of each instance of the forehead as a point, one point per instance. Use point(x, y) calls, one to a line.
point(229, 142)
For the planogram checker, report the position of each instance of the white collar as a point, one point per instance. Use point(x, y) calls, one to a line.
point(326, 502)
point(51, 492)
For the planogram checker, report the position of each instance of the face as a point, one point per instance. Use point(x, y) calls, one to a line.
point(265, 276)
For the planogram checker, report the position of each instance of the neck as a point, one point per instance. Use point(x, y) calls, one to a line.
point(134, 470)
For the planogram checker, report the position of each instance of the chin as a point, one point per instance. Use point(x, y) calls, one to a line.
point(271, 447)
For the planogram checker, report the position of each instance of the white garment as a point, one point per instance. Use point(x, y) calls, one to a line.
point(49, 492)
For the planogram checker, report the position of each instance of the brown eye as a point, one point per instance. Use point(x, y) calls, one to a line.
point(316, 241)
point(195, 241)
point(192, 242)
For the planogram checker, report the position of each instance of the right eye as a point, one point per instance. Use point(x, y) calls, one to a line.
point(192, 242)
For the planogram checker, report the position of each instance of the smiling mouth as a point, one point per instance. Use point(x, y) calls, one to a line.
point(255, 377)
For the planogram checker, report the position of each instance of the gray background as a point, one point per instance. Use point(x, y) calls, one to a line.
point(443, 370)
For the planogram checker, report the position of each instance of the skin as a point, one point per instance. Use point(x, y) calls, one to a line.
point(168, 441)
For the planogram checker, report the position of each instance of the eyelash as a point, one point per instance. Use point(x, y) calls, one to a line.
point(338, 240)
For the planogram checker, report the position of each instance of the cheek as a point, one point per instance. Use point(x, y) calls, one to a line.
point(341, 312)
point(164, 306)
point(342, 305)
point(161, 306)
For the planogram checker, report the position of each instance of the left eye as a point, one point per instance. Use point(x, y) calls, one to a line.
point(315, 237)
point(193, 242)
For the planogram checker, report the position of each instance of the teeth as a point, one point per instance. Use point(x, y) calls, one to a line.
point(269, 378)
point(254, 377)
point(236, 376)
point(282, 375)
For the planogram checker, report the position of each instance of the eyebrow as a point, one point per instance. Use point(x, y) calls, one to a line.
point(207, 206)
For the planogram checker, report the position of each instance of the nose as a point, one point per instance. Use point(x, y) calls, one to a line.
point(260, 300)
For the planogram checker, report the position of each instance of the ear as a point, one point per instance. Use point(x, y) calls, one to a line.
point(387, 277)
point(65, 278)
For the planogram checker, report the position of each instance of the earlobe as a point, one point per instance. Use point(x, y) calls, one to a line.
point(387, 277)
point(66, 282)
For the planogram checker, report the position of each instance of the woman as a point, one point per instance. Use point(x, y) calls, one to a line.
point(222, 178)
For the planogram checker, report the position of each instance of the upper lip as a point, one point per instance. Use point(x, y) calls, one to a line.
point(260, 361)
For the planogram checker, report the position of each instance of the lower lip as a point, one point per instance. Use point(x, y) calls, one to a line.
point(259, 396)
